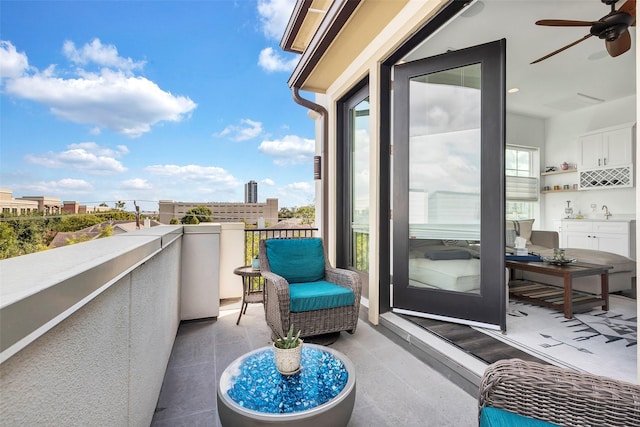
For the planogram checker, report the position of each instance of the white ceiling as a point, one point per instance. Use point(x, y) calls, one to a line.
point(582, 69)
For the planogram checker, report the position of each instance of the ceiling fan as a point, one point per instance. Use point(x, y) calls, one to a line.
point(613, 28)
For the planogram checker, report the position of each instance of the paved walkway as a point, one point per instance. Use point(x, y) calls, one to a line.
point(394, 388)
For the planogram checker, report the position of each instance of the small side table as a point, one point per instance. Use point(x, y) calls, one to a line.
point(249, 295)
point(252, 393)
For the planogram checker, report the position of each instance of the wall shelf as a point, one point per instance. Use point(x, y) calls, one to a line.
point(571, 190)
point(556, 172)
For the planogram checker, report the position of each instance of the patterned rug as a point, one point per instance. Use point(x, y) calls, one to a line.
point(600, 342)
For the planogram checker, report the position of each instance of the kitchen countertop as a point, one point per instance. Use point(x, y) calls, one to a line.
point(614, 217)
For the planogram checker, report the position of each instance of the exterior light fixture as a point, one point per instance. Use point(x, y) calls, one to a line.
point(317, 167)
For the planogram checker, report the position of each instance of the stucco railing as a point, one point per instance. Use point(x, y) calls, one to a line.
point(86, 330)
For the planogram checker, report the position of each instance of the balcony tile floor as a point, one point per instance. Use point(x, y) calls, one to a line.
point(394, 388)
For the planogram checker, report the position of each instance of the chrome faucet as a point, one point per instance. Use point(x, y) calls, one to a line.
point(607, 214)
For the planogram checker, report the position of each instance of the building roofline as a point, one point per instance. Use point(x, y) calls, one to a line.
point(337, 16)
point(298, 15)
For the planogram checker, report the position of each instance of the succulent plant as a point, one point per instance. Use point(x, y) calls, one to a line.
point(289, 341)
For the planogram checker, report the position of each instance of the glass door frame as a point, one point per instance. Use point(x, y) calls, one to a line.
point(343, 184)
point(489, 306)
point(385, 275)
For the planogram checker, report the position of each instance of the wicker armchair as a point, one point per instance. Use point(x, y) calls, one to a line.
point(558, 395)
point(277, 300)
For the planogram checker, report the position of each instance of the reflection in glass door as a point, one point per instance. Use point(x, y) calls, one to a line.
point(444, 180)
point(359, 169)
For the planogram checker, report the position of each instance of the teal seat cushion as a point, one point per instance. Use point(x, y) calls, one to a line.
point(297, 260)
point(318, 295)
point(495, 417)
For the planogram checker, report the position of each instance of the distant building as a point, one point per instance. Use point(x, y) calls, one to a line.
point(27, 205)
point(222, 211)
point(251, 192)
point(48, 205)
point(73, 207)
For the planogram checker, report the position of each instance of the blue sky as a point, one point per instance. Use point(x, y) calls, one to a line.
point(148, 100)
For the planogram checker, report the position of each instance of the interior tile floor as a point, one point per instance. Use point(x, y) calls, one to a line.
point(394, 388)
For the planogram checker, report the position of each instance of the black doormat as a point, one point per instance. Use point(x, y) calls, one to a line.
point(475, 343)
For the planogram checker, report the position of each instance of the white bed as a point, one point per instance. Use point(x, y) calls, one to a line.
point(427, 271)
point(461, 275)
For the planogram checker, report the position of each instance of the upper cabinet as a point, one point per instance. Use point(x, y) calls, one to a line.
point(605, 157)
point(606, 148)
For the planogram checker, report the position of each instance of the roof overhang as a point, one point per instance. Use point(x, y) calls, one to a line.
point(303, 23)
point(330, 41)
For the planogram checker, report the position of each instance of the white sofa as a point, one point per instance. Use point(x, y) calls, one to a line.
point(621, 277)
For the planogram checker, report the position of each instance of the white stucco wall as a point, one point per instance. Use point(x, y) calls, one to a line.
point(103, 362)
point(231, 256)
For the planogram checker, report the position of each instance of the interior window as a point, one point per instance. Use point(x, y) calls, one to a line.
point(522, 188)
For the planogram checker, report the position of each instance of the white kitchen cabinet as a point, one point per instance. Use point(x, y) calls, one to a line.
point(610, 236)
point(606, 148)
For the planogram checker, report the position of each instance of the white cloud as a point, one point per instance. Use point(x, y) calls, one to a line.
point(270, 61)
point(274, 16)
point(87, 157)
point(289, 150)
point(67, 185)
point(248, 129)
point(103, 55)
point(194, 173)
point(12, 63)
point(298, 193)
point(112, 98)
point(268, 181)
point(136, 184)
point(123, 149)
point(94, 148)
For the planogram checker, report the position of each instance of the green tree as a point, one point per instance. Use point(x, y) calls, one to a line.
point(116, 214)
point(285, 213)
point(174, 221)
point(28, 234)
point(78, 238)
point(106, 231)
point(307, 214)
point(78, 222)
point(8, 241)
point(190, 219)
point(120, 204)
point(197, 215)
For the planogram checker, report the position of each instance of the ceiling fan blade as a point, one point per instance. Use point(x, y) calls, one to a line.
point(620, 45)
point(629, 7)
point(564, 23)
point(561, 49)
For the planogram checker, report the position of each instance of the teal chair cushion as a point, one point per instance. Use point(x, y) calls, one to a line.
point(495, 417)
point(297, 260)
point(318, 295)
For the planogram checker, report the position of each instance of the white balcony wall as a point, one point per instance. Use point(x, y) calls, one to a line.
point(199, 293)
point(231, 256)
point(86, 331)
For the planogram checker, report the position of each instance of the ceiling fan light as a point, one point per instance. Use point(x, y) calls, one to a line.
point(612, 34)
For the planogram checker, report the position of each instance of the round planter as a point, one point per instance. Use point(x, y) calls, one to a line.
point(287, 359)
point(321, 394)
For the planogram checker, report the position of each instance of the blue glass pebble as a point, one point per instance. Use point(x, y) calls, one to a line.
point(260, 387)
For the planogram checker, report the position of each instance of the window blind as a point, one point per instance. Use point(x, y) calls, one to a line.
point(521, 188)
